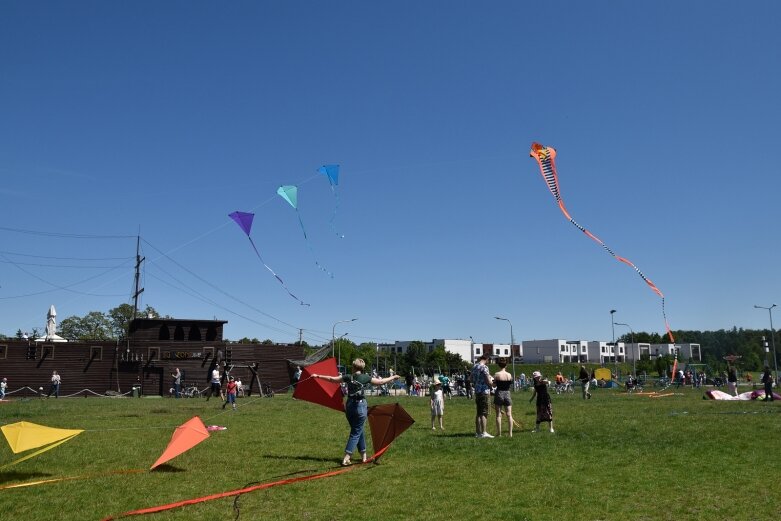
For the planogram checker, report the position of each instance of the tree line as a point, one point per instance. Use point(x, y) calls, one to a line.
point(748, 344)
point(715, 345)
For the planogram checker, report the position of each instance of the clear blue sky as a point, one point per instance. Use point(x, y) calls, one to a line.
point(163, 117)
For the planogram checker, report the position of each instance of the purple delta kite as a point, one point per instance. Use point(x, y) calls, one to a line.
point(244, 220)
point(290, 194)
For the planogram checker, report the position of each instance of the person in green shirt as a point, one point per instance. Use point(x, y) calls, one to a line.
point(356, 409)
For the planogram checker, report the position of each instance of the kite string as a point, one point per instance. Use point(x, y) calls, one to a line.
point(336, 207)
point(251, 400)
point(41, 451)
point(220, 495)
point(309, 245)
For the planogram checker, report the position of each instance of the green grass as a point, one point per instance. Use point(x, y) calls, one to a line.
point(615, 457)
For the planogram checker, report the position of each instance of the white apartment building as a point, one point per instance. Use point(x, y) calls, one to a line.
point(495, 351)
point(555, 351)
point(684, 351)
point(606, 352)
point(637, 351)
point(468, 351)
point(459, 347)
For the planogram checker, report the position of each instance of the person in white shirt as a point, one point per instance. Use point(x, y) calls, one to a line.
point(55, 387)
point(215, 383)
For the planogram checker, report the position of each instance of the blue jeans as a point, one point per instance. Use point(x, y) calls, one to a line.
point(356, 412)
point(177, 389)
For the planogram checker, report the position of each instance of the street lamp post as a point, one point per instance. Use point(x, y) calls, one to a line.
point(333, 338)
point(767, 350)
point(772, 335)
point(634, 369)
point(615, 351)
point(512, 342)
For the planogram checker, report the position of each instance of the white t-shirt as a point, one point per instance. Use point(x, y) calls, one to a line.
point(215, 376)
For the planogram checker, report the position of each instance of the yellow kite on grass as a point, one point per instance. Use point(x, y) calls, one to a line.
point(22, 436)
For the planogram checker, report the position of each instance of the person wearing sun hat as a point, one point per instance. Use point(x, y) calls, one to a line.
point(437, 404)
point(544, 409)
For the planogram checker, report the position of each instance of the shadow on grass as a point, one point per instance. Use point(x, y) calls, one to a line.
point(299, 458)
point(165, 467)
point(7, 477)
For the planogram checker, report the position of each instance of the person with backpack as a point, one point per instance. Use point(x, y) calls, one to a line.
point(356, 409)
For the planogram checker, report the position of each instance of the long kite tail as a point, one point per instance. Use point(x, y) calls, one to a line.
point(546, 159)
point(333, 216)
point(311, 250)
point(332, 173)
point(273, 273)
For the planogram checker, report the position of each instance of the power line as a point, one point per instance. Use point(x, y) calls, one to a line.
point(65, 235)
point(64, 258)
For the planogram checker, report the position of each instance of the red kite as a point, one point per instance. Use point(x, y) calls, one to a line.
point(387, 422)
point(185, 437)
point(546, 159)
point(320, 391)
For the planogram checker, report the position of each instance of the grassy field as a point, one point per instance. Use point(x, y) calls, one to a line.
point(614, 457)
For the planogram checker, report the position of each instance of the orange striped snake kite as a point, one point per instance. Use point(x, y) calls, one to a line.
point(546, 158)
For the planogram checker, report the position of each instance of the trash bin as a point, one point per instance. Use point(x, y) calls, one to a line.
point(136, 391)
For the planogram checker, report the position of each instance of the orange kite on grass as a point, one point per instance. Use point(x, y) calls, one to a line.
point(185, 437)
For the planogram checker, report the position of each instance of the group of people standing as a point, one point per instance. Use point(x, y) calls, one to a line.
point(502, 383)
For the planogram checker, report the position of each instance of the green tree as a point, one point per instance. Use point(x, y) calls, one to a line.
point(436, 360)
point(454, 362)
point(92, 326)
point(415, 357)
point(120, 318)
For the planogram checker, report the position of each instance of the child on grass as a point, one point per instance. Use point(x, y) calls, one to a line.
point(231, 389)
point(437, 404)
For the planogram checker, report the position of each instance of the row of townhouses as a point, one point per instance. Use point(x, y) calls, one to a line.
point(557, 351)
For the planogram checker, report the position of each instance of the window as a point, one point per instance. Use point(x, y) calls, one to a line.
point(3, 351)
point(195, 334)
point(211, 334)
point(164, 333)
point(47, 352)
point(96, 353)
point(153, 353)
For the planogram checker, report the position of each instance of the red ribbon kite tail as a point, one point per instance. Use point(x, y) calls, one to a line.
point(546, 158)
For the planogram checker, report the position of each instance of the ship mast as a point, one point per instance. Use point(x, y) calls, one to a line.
point(138, 291)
